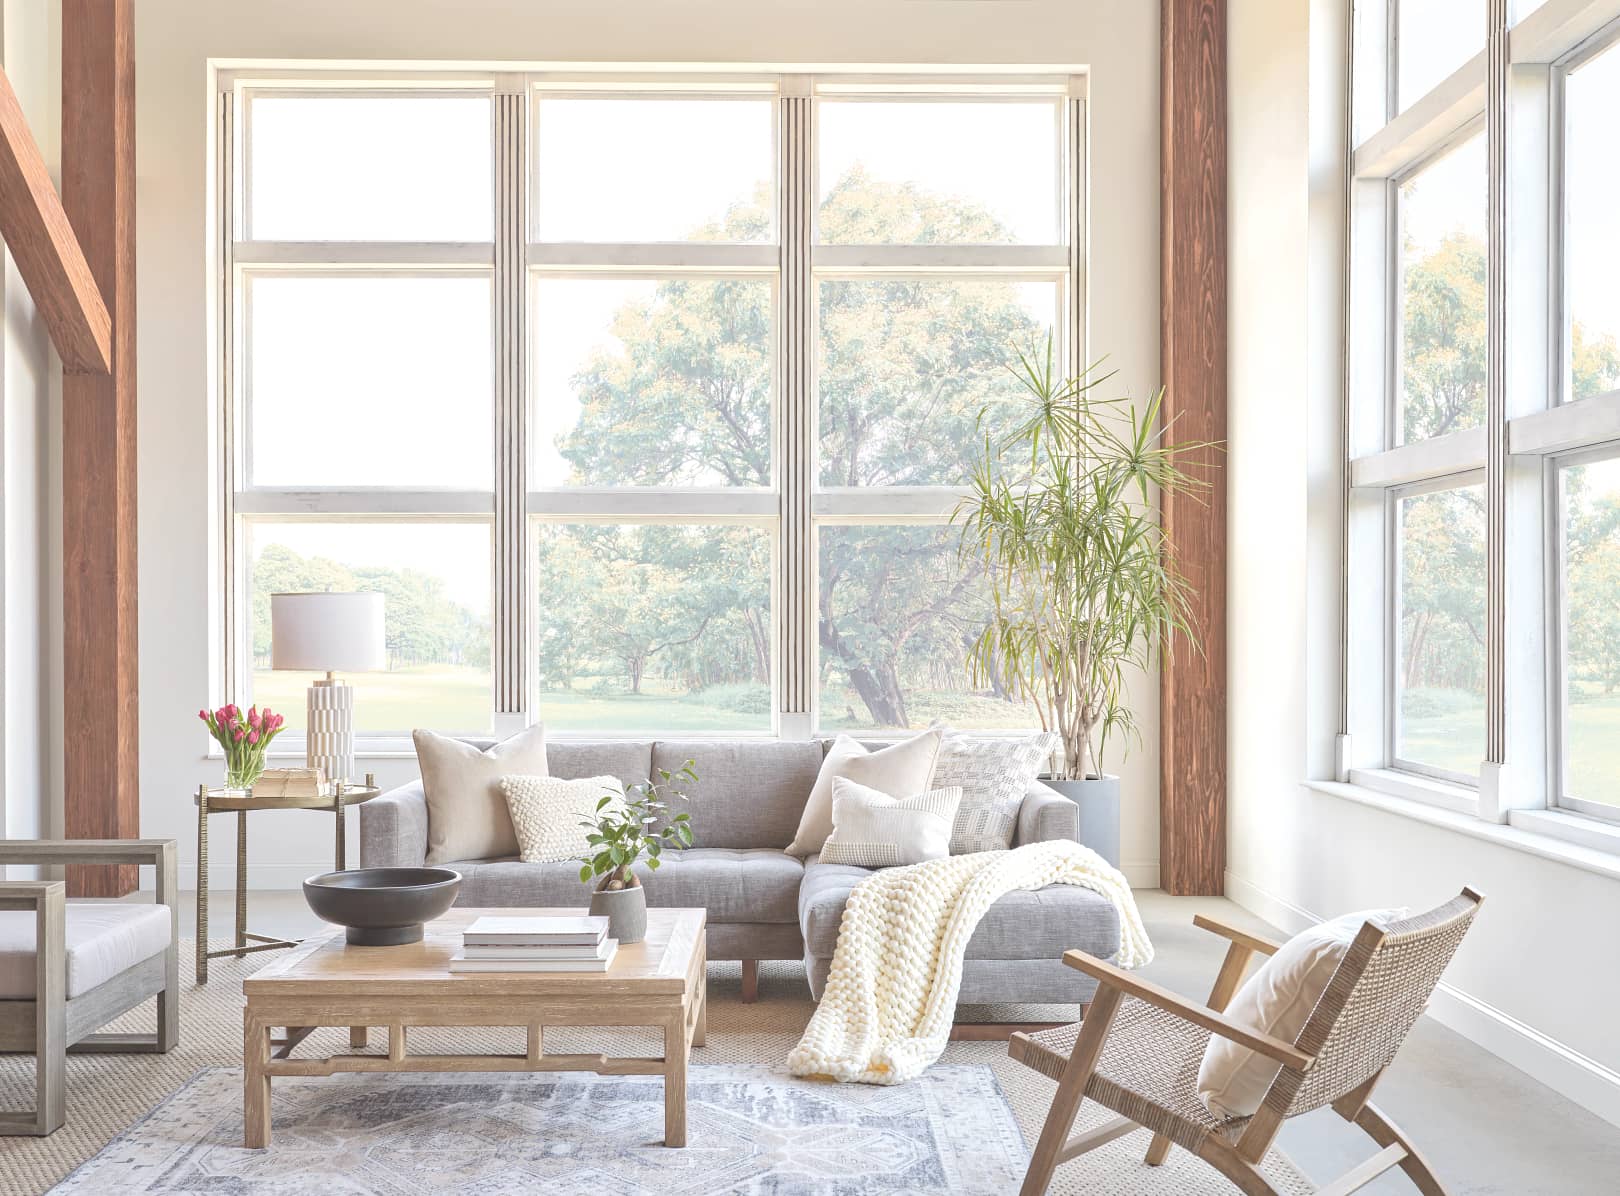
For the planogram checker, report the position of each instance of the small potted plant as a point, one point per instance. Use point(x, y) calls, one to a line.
point(1084, 584)
point(246, 737)
point(627, 828)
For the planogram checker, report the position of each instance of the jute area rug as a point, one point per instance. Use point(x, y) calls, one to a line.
point(121, 1099)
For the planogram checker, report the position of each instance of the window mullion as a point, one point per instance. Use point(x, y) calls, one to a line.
point(796, 579)
point(510, 564)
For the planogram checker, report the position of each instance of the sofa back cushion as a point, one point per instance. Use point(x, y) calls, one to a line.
point(749, 793)
point(630, 760)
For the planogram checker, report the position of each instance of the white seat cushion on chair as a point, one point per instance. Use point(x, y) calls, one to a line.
point(1277, 1000)
point(103, 939)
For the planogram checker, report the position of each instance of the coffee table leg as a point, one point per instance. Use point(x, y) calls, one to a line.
point(255, 1082)
point(700, 1029)
point(357, 1037)
point(675, 1080)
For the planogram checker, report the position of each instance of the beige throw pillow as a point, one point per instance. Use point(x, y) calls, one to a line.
point(1277, 999)
point(874, 830)
point(905, 767)
point(467, 816)
point(549, 814)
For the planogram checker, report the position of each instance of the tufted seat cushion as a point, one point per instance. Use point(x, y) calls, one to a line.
point(744, 884)
point(103, 940)
point(1040, 924)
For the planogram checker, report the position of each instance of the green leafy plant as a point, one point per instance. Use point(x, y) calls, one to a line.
point(624, 829)
point(1083, 581)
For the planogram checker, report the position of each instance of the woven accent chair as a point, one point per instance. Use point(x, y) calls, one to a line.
point(1139, 1048)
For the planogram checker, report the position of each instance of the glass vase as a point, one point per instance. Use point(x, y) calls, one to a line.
point(240, 773)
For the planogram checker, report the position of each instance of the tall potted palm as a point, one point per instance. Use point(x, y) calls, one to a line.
point(1084, 588)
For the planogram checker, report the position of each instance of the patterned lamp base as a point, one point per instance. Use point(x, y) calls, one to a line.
point(331, 728)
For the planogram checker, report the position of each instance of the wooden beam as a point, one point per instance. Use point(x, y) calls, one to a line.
point(37, 232)
point(101, 764)
point(1192, 700)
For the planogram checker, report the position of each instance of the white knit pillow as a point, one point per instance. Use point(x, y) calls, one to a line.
point(873, 830)
point(547, 813)
point(994, 775)
point(1277, 999)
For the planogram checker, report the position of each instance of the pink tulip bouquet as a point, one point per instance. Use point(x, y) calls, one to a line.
point(245, 737)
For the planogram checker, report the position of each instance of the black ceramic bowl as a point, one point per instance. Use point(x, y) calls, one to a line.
point(382, 906)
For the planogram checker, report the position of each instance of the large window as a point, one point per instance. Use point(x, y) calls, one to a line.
point(646, 401)
point(1483, 525)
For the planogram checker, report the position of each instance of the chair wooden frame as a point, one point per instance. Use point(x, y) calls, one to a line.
point(51, 1024)
point(1350, 1038)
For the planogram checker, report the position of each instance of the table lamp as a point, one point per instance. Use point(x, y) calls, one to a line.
point(328, 633)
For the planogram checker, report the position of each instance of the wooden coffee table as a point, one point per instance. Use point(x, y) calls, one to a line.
point(326, 982)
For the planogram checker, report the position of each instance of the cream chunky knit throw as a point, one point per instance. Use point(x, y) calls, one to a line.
point(890, 997)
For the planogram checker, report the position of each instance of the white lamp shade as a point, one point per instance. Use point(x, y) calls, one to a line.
point(327, 633)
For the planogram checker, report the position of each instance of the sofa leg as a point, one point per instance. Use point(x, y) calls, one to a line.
point(750, 981)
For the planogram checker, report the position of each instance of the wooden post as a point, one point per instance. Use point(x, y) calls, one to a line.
point(1192, 699)
point(98, 446)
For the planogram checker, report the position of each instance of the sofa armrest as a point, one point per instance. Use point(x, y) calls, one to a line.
point(394, 828)
point(1046, 815)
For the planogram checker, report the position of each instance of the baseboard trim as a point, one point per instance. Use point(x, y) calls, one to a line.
point(1142, 875)
point(1568, 1072)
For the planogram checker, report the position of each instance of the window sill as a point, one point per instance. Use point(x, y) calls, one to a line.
point(1551, 834)
point(1445, 795)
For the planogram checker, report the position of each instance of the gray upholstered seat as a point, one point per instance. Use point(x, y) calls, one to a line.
point(733, 884)
point(1042, 924)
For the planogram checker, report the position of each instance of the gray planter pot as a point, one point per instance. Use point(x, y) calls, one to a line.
point(1098, 802)
point(626, 912)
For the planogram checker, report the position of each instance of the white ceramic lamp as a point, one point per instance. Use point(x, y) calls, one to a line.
point(328, 633)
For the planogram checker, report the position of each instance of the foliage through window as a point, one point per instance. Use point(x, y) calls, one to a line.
point(1591, 628)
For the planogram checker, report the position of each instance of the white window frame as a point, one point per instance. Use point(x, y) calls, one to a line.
point(793, 507)
point(1515, 87)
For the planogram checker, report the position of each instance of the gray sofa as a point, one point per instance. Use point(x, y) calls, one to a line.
point(763, 903)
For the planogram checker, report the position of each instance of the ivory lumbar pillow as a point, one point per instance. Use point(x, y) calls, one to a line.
point(904, 767)
point(1277, 999)
point(873, 830)
point(550, 814)
point(467, 816)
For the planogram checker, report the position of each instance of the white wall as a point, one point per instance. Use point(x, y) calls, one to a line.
point(30, 386)
point(1535, 981)
point(175, 39)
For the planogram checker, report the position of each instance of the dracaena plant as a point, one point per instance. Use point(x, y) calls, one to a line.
point(636, 825)
point(1084, 585)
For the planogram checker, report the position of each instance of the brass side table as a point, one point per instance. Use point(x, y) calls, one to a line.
point(219, 801)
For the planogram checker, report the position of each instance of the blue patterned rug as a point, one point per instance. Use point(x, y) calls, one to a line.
point(749, 1129)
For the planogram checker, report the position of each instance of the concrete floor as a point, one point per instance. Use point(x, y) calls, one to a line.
point(1486, 1127)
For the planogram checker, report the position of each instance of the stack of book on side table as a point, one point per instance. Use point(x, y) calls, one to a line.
point(535, 944)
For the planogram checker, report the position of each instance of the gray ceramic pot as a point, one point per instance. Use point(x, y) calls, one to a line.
point(1098, 802)
point(626, 912)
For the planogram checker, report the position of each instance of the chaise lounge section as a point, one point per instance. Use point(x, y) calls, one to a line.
point(763, 903)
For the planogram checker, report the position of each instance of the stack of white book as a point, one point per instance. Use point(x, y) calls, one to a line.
point(535, 944)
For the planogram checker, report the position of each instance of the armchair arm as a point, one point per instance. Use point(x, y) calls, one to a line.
point(1242, 938)
point(1107, 974)
point(394, 828)
point(1046, 815)
point(31, 894)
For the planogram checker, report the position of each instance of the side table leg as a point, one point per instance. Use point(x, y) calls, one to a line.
point(675, 1080)
point(340, 852)
point(202, 884)
point(241, 878)
point(255, 1081)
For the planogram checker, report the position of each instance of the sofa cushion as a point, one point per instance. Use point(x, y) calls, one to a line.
point(628, 759)
point(102, 941)
point(749, 793)
point(734, 885)
point(1038, 924)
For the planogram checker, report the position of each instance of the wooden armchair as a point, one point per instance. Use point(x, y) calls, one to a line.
point(1139, 1048)
point(74, 967)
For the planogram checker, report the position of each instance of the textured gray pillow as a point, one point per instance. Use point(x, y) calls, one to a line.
point(993, 775)
point(467, 815)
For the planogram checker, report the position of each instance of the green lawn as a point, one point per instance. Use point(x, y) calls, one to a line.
point(1456, 741)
